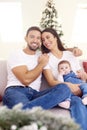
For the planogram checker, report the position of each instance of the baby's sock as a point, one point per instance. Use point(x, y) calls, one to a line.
point(84, 100)
point(65, 104)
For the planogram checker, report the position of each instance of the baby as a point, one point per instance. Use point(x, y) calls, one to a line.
point(65, 71)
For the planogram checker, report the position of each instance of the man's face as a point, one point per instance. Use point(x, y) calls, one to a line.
point(33, 40)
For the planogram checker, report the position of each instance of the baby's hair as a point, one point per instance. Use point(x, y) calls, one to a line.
point(63, 62)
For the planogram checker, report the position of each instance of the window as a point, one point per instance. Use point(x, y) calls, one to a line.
point(11, 28)
point(79, 35)
point(80, 26)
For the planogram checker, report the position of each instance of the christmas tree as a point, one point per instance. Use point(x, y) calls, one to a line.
point(50, 18)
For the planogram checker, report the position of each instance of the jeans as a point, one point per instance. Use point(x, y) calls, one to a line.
point(78, 111)
point(29, 97)
point(83, 88)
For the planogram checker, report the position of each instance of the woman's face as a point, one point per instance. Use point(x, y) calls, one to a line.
point(48, 40)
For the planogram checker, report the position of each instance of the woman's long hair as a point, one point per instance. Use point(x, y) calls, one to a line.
point(55, 34)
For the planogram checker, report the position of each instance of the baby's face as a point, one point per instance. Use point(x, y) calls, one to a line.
point(64, 68)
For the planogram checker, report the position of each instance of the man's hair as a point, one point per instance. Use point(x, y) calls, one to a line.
point(33, 28)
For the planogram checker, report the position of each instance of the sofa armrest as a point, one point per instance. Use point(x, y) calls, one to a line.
point(3, 76)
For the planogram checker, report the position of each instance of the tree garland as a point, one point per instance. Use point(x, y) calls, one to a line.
point(33, 119)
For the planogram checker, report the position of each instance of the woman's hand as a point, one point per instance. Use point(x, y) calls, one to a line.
point(74, 88)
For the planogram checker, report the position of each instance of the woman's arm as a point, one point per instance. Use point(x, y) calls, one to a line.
point(74, 88)
point(52, 82)
point(49, 77)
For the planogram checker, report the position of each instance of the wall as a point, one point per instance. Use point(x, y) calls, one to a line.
point(32, 13)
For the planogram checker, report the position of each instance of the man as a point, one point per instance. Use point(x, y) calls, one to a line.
point(24, 77)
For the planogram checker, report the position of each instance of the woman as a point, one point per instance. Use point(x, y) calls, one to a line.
point(53, 46)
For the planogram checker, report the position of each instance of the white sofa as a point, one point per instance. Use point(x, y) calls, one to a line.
point(44, 85)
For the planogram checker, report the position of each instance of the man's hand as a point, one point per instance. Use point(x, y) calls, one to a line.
point(76, 51)
point(43, 59)
point(82, 75)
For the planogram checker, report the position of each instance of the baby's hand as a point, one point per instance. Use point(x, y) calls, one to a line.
point(62, 73)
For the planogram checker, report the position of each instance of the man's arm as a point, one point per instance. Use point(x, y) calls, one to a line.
point(75, 50)
point(26, 76)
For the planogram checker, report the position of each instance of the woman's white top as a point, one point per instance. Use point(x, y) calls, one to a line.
point(54, 61)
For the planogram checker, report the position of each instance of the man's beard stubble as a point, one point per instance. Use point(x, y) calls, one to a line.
point(32, 48)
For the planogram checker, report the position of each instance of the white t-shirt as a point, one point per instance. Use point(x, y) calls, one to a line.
point(53, 62)
point(20, 58)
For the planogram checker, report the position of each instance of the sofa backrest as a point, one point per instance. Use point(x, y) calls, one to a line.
point(44, 84)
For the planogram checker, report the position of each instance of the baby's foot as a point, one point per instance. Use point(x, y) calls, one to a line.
point(65, 104)
point(84, 100)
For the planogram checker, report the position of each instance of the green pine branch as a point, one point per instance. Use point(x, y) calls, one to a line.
point(21, 119)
